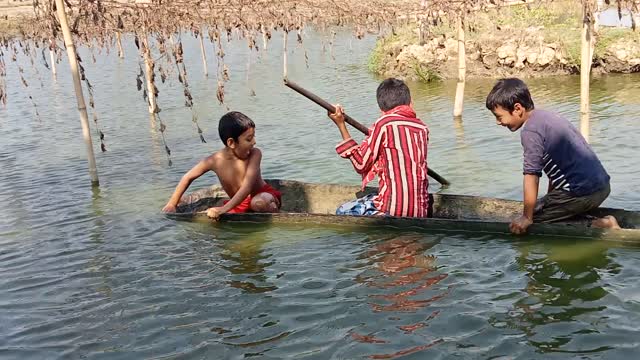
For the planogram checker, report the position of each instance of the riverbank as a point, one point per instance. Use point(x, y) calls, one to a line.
point(539, 40)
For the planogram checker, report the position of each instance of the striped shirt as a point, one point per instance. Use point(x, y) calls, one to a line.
point(396, 151)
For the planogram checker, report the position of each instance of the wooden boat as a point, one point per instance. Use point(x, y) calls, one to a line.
point(316, 204)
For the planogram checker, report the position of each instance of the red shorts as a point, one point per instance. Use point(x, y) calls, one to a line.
point(245, 205)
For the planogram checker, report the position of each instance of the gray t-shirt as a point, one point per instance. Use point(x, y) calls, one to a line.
point(553, 145)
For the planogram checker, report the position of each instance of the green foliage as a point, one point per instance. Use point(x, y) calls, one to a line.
point(425, 73)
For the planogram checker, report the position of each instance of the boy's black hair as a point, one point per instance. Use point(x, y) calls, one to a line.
point(232, 125)
point(506, 93)
point(391, 93)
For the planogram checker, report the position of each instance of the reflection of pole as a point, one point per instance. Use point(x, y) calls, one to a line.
point(119, 42)
point(82, 107)
point(204, 54)
point(462, 69)
point(585, 70)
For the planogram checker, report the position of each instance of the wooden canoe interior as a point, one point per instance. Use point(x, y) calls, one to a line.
point(299, 197)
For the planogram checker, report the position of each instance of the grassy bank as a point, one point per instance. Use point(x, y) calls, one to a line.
point(556, 25)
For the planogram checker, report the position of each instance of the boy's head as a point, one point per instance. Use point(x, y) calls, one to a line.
point(237, 131)
point(509, 101)
point(391, 93)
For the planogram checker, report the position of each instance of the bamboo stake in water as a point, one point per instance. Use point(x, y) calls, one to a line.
point(585, 71)
point(119, 43)
point(148, 65)
point(462, 69)
point(284, 73)
point(52, 55)
point(75, 74)
point(204, 54)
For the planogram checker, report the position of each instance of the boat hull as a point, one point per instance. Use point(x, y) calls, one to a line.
point(306, 203)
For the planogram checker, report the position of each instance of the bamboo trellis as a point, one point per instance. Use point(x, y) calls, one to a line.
point(102, 23)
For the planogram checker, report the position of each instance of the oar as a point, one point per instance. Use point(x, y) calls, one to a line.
point(349, 120)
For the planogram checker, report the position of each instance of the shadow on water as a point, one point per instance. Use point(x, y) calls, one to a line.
point(563, 298)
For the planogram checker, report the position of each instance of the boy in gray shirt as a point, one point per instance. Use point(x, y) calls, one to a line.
point(578, 182)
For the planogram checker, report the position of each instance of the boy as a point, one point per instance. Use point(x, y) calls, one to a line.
point(238, 169)
point(578, 182)
point(396, 151)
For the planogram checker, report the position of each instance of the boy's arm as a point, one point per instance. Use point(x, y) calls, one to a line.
point(195, 172)
point(363, 156)
point(533, 145)
point(530, 185)
point(253, 172)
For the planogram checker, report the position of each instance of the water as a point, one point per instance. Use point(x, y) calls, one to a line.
point(100, 274)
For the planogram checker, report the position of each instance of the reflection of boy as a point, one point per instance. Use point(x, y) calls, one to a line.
point(238, 169)
point(396, 151)
point(578, 182)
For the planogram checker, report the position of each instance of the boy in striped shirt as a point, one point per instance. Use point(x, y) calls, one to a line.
point(396, 151)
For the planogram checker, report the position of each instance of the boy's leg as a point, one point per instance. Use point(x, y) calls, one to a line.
point(265, 202)
point(362, 206)
point(560, 205)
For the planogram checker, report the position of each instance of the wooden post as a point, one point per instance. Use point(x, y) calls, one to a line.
point(284, 73)
point(264, 37)
point(75, 73)
point(119, 43)
point(462, 69)
point(585, 70)
point(204, 54)
point(148, 66)
point(52, 56)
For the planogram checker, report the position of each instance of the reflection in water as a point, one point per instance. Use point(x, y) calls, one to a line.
point(563, 280)
point(248, 261)
point(401, 263)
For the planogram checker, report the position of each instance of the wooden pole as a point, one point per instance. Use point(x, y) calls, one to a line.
point(75, 73)
point(585, 70)
point(284, 72)
point(119, 43)
point(204, 54)
point(462, 70)
point(148, 66)
point(52, 56)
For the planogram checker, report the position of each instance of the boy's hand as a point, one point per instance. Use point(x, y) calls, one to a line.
point(520, 225)
point(214, 213)
point(338, 116)
point(169, 208)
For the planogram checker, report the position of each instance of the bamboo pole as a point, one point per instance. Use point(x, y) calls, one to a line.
point(585, 71)
point(82, 108)
point(119, 43)
point(462, 70)
point(204, 54)
point(52, 56)
point(284, 49)
point(148, 66)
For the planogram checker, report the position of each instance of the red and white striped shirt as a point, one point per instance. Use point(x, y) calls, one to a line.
point(395, 150)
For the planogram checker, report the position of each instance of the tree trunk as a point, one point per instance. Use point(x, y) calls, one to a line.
point(82, 107)
point(585, 72)
point(119, 43)
point(204, 55)
point(462, 69)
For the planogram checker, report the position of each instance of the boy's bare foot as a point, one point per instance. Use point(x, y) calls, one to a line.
point(607, 222)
